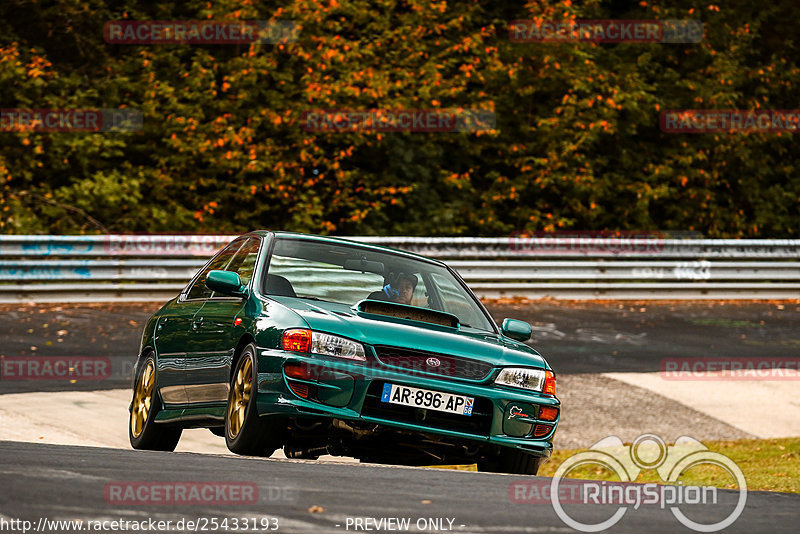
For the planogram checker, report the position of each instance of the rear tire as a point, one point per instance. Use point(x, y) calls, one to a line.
point(245, 432)
point(512, 461)
point(143, 432)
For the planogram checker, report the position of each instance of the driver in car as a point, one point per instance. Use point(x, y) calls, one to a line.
point(400, 289)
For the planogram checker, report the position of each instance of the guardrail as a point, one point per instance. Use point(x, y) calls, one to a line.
point(153, 267)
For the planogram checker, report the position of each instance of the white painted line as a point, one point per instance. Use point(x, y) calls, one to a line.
point(89, 418)
point(767, 409)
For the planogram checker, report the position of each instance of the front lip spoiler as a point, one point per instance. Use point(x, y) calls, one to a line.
point(299, 407)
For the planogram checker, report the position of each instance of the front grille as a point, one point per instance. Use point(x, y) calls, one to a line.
point(480, 422)
point(417, 361)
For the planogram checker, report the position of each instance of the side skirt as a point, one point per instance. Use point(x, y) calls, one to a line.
point(194, 417)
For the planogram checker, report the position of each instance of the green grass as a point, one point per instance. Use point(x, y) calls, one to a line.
point(767, 464)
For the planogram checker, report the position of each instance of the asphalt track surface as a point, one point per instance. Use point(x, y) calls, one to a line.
point(575, 337)
point(624, 337)
point(581, 340)
point(69, 483)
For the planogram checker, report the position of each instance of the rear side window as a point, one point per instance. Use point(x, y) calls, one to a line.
point(220, 261)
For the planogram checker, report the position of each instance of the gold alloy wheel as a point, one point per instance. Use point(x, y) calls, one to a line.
point(142, 398)
point(240, 397)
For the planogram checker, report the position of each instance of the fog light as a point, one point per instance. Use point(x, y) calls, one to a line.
point(541, 430)
point(296, 370)
point(548, 413)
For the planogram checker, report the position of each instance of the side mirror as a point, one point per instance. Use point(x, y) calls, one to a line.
point(227, 283)
point(515, 329)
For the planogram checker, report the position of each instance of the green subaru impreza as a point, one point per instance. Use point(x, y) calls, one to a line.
point(322, 346)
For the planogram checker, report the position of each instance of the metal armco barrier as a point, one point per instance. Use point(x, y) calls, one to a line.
point(156, 267)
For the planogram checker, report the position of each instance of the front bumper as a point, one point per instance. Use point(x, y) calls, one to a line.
point(350, 396)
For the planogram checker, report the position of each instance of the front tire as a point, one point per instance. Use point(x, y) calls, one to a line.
point(143, 432)
point(513, 462)
point(245, 432)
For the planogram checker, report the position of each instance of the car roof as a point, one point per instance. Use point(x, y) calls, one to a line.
point(339, 240)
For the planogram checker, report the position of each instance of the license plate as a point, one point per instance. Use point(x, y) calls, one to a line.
point(425, 398)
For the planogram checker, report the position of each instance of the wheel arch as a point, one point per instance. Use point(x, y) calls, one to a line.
point(245, 340)
point(145, 352)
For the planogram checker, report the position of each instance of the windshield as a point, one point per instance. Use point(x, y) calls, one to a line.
point(348, 274)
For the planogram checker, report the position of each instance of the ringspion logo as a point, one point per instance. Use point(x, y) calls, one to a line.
point(647, 451)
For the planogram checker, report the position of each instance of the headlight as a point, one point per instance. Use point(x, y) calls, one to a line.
point(525, 378)
point(302, 340)
point(336, 346)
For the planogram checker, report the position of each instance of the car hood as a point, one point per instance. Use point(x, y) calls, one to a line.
point(370, 329)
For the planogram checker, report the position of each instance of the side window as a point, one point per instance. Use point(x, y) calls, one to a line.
point(220, 261)
point(244, 263)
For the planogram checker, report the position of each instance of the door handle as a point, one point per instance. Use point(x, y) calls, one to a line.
point(197, 323)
